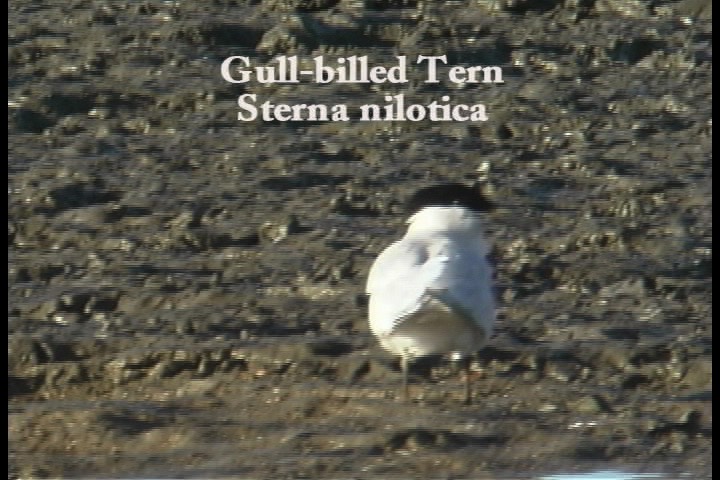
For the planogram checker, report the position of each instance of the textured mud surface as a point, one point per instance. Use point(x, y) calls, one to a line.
point(186, 289)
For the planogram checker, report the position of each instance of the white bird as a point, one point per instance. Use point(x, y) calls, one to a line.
point(431, 292)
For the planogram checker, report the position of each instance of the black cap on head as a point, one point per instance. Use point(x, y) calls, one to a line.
point(449, 194)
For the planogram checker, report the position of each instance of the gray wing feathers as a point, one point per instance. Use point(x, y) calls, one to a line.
point(407, 275)
point(397, 284)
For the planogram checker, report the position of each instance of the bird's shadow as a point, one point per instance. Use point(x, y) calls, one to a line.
point(422, 366)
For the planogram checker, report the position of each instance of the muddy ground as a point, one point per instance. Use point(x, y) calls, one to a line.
point(186, 289)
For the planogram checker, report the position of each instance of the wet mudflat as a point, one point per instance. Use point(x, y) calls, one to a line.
point(186, 289)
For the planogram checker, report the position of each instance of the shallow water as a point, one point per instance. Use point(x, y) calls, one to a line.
point(612, 475)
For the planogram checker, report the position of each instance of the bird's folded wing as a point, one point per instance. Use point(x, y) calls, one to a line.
point(406, 276)
point(401, 280)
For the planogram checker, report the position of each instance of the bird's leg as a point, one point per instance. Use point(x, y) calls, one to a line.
point(404, 365)
point(466, 361)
